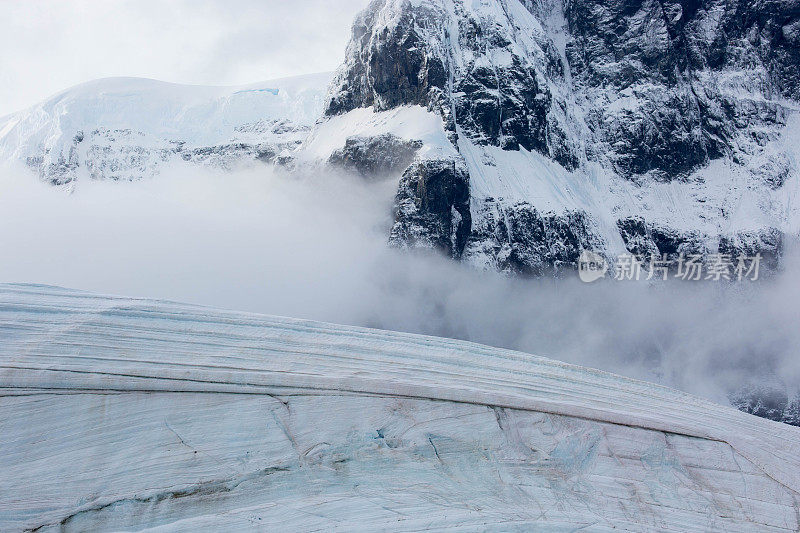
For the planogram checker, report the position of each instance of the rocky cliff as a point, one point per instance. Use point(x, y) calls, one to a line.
point(572, 117)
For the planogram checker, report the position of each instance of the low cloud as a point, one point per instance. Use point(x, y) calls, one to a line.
point(315, 247)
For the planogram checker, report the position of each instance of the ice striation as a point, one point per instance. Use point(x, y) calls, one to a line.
point(130, 128)
point(133, 414)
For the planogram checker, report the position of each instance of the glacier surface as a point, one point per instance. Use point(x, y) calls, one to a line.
point(134, 414)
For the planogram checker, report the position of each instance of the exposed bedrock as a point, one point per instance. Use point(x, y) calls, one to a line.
point(652, 92)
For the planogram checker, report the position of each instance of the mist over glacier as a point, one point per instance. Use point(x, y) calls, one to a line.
point(314, 246)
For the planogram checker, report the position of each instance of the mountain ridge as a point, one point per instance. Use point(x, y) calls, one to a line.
point(127, 128)
point(674, 137)
point(641, 115)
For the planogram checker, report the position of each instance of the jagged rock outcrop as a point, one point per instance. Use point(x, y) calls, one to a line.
point(375, 157)
point(436, 54)
point(621, 99)
point(523, 240)
point(703, 75)
point(432, 206)
point(647, 240)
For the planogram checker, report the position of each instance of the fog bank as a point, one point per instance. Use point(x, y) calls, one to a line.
point(315, 247)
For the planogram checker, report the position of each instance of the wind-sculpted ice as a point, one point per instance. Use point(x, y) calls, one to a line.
point(129, 414)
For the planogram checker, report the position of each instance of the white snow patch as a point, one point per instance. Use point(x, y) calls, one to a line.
point(406, 122)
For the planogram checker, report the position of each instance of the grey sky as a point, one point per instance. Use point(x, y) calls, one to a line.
point(49, 45)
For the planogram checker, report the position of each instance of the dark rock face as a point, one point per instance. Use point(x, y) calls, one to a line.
point(650, 90)
point(666, 54)
point(375, 157)
point(671, 55)
point(767, 242)
point(528, 242)
point(391, 68)
point(509, 107)
point(506, 105)
point(432, 206)
point(645, 239)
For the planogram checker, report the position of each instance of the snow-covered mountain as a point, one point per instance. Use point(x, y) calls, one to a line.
point(653, 126)
point(129, 128)
point(133, 414)
point(520, 132)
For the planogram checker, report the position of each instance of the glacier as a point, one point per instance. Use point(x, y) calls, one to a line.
point(133, 414)
point(132, 128)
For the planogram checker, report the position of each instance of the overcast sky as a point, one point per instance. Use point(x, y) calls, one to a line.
point(49, 45)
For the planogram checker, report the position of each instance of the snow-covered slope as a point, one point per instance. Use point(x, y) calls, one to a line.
point(130, 414)
point(128, 128)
